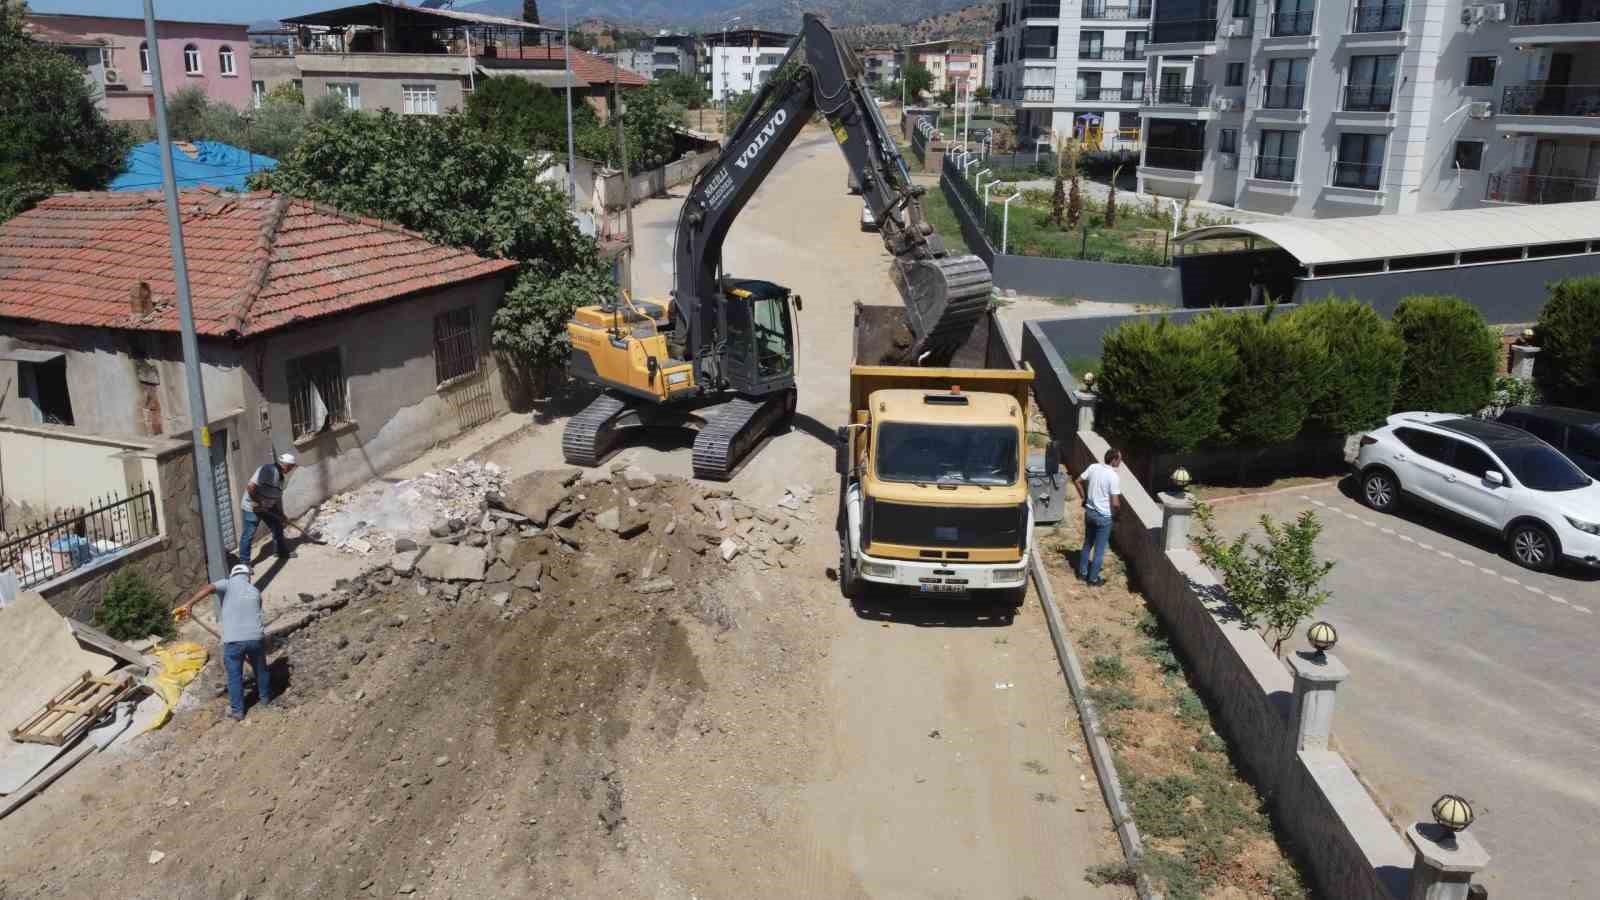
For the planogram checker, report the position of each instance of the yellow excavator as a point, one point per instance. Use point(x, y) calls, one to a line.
point(718, 356)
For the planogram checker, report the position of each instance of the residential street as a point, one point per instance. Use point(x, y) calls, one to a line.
point(1468, 675)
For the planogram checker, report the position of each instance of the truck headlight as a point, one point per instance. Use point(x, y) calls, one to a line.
point(1585, 527)
point(1012, 574)
point(878, 569)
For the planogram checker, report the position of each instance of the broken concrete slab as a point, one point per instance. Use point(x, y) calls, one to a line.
point(729, 549)
point(452, 562)
point(289, 623)
point(636, 477)
point(537, 494)
point(724, 514)
point(404, 563)
point(565, 518)
point(530, 576)
point(500, 571)
point(655, 585)
point(609, 520)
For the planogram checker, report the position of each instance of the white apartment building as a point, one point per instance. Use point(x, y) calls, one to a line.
point(1067, 67)
point(1351, 107)
point(740, 61)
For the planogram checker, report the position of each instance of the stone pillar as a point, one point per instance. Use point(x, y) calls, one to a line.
point(1445, 863)
point(1176, 510)
point(1316, 677)
point(1086, 402)
point(1522, 356)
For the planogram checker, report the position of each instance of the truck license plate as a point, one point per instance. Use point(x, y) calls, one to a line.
point(942, 588)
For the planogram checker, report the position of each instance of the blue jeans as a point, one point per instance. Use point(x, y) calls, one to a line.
point(234, 653)
point(1096, 535)
point(280, 544)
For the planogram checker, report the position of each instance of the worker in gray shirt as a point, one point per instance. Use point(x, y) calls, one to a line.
point(263, 502)
point(239, 613)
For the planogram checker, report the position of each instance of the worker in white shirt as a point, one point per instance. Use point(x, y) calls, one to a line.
point(1101, 489)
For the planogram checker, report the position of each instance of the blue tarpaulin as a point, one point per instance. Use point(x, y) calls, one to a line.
point(214, 164)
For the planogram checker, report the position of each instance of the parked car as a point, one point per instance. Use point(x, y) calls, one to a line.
point(1494, 476)
point(1575, 432)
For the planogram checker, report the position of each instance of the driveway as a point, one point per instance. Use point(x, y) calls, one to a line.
point(1469, 675)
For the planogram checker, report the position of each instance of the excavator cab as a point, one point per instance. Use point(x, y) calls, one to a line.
point(761, 331)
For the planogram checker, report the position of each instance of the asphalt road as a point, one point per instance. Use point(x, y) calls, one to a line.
point(1469, 675)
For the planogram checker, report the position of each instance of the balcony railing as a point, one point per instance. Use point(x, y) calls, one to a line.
point(1038, 51)
point(1368, 98)
point(1183, 31)
point(1185, 158)
point(1099, 9)
point(1041, 11)
point(1038, 95)
point(1539, 98)
point(1283, 96)
point(1275, 168)
point(1370, 17)
point(1290, 24)
point(1112, 54)
point(1178, 95)
point(1509, 188)
point(1556, 12)
point(1366, 176)
point(1110, 94)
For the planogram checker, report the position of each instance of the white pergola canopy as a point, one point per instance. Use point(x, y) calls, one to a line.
point(1317, 242)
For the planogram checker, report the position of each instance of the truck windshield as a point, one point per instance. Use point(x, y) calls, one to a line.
point(947, 454)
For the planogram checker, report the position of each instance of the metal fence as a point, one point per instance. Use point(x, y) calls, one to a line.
point(73, 538)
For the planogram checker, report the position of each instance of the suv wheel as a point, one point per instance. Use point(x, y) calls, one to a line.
point(849, 582)
point(1533, 547)
point(1380, 490)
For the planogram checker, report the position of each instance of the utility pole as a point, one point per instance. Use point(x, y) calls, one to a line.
point(205, 483)
point(725, 58)
point(627, 189)
point(572, 158)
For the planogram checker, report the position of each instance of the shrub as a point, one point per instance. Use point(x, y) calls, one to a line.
point(1365, 356)
point(1568, 367)
point(1450, 355)
point(132, 608)
point(1163, 384)
point(1275, 585)
point(1282, 371)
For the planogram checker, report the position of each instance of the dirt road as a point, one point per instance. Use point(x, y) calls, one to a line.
point(752, 736)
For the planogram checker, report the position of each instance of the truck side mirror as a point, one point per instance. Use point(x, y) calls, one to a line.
point(799, 304)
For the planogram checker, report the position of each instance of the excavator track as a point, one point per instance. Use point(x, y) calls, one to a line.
point(735, 430)
point(589, 433)
point(944, 298)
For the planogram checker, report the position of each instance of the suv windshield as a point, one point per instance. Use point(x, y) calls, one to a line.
point(947, 454)
point(1541, 468)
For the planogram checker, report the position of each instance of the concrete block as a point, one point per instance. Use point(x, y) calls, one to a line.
point(453, 562)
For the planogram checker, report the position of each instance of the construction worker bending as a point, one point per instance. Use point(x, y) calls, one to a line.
point(263, 501)
point(239, 613)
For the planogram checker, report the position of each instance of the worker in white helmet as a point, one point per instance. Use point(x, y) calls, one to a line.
point(243, 637)
point(263, 501)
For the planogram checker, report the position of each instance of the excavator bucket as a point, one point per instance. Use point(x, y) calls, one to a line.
point(944, 297)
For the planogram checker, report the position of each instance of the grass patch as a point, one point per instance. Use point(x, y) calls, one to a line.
point(1109, 669)
point(943, 220)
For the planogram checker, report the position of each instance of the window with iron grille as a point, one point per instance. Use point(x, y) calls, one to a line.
point(317, 399)
point(455, 343)
point(419, 99)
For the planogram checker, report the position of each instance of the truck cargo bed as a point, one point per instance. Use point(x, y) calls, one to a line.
point(982, 364)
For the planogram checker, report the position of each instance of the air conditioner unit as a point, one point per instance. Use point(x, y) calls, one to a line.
point(1223, 104)
point(1471, 15)
point(1236, 28)
point(1480, 109)
point(113, 76)
point(1495, 12)
point(1228, 160)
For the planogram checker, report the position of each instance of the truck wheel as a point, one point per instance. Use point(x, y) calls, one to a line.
point(849, 583)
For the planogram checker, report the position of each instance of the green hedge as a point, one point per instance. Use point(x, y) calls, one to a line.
point(1163, 384)
point(1567, 370)
point(1366, 354)
point(1283, 370)
point(1450, 355)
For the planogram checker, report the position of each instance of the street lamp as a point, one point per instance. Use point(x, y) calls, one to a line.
point(1322, 636)
point(1181, 479)
point(724, 72)
point(1453, 813)
point(1005, 221)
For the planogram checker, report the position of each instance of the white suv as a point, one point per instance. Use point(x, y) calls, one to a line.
point(1494, 476)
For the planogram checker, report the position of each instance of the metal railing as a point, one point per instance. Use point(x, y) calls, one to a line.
point(1041, 11)
point(1284, 96)
point(1038, 95)
point(1368, 98)
point(1178, 95)
point(1292, 24)
point(1112, 54)
point(1038, 51)
point(1527, 188)
point(1187, 159)
point(1099, 9)
point(1183, 31)
point(1366, 176)
point(1276, 168)
point(1538, 98)
point(1370, 17)
point(1556, 12)
point(74, 538)
point(1111, 94)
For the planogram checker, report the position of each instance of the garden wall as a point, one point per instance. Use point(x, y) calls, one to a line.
point(1045, 277)
point(1505, 292)
point(652, 183)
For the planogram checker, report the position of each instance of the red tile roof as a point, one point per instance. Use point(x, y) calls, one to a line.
point(586, 65)
point(257, 261)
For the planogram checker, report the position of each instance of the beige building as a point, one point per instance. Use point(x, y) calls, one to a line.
point(951, 62)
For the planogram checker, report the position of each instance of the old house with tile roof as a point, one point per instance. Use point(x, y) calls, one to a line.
point(351, 341)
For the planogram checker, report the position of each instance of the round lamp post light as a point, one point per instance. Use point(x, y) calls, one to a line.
point(1322, 636)
point(1453, 814)
point(1181, 480)
point(1088, 382)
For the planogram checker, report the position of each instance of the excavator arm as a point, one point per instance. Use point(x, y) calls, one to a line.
point(944, 294)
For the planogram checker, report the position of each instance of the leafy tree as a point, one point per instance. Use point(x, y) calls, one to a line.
point(1111, 199)
point(1283, 370)
point(1163, 384)
point(524, 115)
point(650, 120)
point(530, 11)
point(737, 106)
point(918, 81)
point(1450, 355)
point(1365, 354)
point(947, 97)
point(685, 90)
point(1568, 367)
point(1275, 585)
point(52, 137)
point(533, 321)
point(981, 94)
point(288, 92)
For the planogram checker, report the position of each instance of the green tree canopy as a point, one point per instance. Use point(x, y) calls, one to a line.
point(685, 90)
point(1568, 367)
point(1450, 355)
point(918, 80)
point(52, 137)
point(524, 115)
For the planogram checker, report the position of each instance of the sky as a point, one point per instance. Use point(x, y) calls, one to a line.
point(242, 11)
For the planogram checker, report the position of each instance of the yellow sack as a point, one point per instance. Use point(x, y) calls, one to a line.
point(180, 664)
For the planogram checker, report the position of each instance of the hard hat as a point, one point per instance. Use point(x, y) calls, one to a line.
point(240, 569)
point(286, 459)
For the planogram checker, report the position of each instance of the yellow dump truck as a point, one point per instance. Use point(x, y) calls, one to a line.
point(934, 493)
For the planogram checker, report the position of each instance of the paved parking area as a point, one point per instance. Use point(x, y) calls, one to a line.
point(1469, 675)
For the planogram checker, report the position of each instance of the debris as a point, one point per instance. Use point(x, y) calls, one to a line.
point(636, 477)
point(529, 576)
point(729, 549)
point(501, 598)
point(724, 514)
point(441, 761)
point(537, 495)
point(447, 562)
point(610, 520)
point(656, 585)
point(407, 888)
point(440, 529)
point(156, 856)
point(403, 544)
point(500, 571)
point(405, 562)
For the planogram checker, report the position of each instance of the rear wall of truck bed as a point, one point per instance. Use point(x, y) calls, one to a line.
point(981, 364)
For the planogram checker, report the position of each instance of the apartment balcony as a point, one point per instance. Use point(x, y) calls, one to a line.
point(1038, 51)
point(1103, 11)
point(1505, 187)
point(1172, 169)
point(1041, 11)
point(1275, 168)
point(1546, 22)
point(1360, 176)
point(1284, 96)
point(1195, 96)
point(1185, 36)
point(1110, 95)
point(1292, 24)
point(1038, 95)
point(1368, 98)
point(1111, 54)
point(1181, 159)
point(1372, 18)
point(1542, 108)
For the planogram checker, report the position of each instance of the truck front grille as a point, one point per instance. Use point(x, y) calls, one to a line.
point(948, 526)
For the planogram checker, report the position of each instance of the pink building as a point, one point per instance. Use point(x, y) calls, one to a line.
point(213, 55)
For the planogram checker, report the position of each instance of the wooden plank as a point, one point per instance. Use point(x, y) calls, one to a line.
point(105, 643)
point(73, 710)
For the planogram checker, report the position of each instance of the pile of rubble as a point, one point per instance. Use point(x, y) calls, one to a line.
point(372, 518)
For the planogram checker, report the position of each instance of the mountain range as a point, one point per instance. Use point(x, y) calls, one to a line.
point(710, 15)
